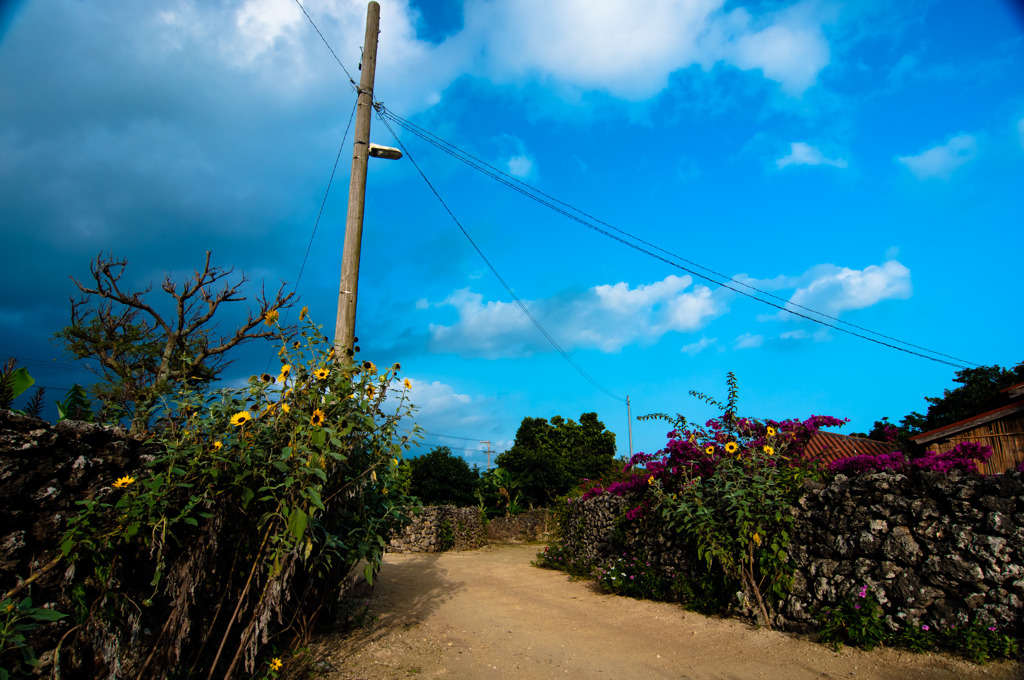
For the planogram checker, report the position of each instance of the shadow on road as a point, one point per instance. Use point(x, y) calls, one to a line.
point(407, 590)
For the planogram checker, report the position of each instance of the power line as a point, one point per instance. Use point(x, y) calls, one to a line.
point(41, 363)
point(320, 213)
point(323, 202)
point(453, 448)
point(451, 436)
point(588, 221)
point(494, 271)
point(313, 24)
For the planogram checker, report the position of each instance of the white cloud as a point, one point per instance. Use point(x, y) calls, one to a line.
point(749, 341)
point(695, 348)
point(605, 317)
point(520, 166)
point(440, 408)
point(520, 161)
point(942, 160)
point(805, 154)
point(833, 290)
point(612, 47)
point(791, 50)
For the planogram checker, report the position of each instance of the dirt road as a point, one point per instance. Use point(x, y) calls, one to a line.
point(489, 614)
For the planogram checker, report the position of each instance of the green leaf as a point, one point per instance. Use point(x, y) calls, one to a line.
point(314, 497)
point(19, 381)
point(247, 495)
point(47, 615)
point(66, 546)
point(297, 521)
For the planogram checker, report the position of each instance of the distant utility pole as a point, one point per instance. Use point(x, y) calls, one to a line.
point(629, 422)
point(488, 452)
point(345, 326)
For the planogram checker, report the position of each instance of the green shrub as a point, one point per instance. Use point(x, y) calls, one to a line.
point(256, 507)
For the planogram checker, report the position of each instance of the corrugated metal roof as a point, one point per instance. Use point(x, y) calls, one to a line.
point(826, 447)
point(967, 423)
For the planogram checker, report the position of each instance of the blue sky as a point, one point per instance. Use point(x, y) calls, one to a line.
point(862, 159)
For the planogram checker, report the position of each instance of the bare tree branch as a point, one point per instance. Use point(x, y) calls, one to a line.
point(141, 358)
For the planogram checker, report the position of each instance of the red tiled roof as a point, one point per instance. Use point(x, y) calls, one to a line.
point(826, 447)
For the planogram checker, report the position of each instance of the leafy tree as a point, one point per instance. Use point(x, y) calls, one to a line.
point(979, 390)
point(552, 457)
point(499, 493)
point(143, 354)
point(442, 478)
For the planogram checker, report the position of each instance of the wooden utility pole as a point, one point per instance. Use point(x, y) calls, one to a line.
point(488, 452)
point(629, 422)
point(345, 327)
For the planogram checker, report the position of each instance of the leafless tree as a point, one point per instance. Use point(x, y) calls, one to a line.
point(142, 354)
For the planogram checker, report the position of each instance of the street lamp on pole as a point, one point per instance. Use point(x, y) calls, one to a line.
point(362, 149)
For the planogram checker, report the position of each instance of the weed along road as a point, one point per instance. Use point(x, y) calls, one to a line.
point(489, 614)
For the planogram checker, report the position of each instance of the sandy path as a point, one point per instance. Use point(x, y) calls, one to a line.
point(489, 614)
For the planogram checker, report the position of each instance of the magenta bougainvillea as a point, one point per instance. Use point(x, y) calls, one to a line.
point(964, 457)
point(697, 451)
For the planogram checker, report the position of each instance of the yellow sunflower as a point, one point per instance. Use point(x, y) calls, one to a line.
point(317, 419)
point(286, 408)
point(709, 450)
point(241, 418)
point(217, 446)
point(771, 431)
point(270, 318)
point(123, 482)
point(275, 663)
point(303, 313)
point(321, 373)
point(286, 369)
point(731, 447)
point(407, 384)
point(296, 344)
point(769, 450)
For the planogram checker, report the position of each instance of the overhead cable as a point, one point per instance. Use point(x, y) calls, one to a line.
point(313, 24)
point(494, 271)
point(588, 221)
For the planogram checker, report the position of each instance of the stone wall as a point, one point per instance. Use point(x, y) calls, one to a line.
point(44, 470)
point(531, 525)
point(441, 527)
point(935, 548)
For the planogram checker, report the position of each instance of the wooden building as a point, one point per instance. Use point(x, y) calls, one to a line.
point(1002, 428)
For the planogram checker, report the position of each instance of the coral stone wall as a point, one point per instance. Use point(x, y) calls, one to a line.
point(528, 526)
point(44, 470)
point(426, 532)
point(933, 547)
